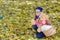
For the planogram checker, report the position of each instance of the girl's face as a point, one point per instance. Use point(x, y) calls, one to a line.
point(37, 12)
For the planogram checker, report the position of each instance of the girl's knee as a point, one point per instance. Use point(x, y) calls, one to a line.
point(34, 27)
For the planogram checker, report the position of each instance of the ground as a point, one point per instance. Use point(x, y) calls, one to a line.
point(16, 15)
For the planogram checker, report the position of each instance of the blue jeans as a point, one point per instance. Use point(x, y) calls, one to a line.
point(38, 34)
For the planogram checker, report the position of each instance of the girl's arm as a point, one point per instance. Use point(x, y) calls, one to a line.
point(33, 22)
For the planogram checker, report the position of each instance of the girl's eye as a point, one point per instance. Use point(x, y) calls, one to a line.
point(37, 12)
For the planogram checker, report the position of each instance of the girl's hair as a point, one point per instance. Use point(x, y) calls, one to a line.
point(39, 8)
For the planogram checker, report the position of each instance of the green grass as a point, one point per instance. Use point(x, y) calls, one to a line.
point(15, 17)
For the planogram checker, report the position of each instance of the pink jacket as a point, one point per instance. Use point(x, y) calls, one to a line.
point(40, 22)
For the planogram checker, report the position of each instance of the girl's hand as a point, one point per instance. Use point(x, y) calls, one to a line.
point(39, 30)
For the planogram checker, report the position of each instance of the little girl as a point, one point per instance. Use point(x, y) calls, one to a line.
point(33, 22)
